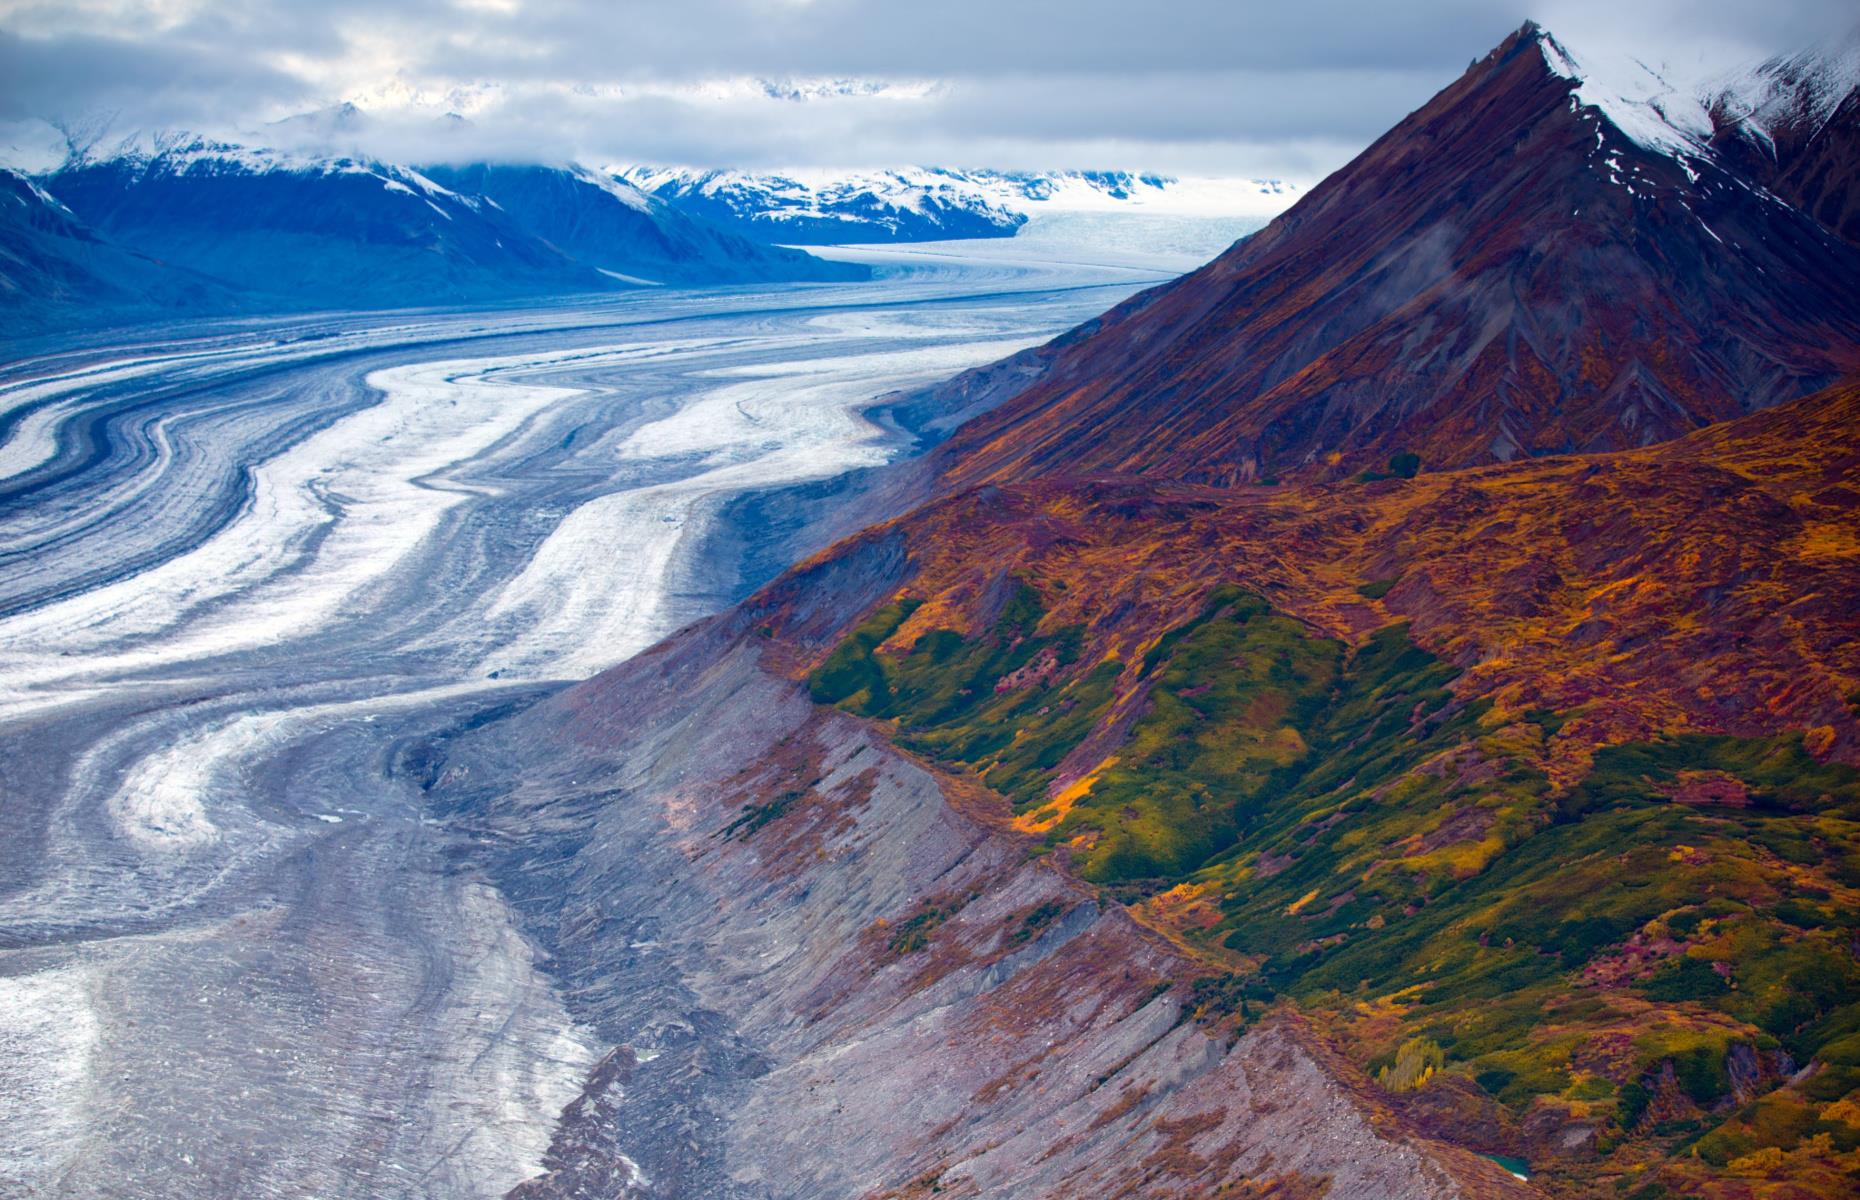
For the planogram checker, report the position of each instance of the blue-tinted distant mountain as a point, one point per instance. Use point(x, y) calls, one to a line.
point(52, 264)
point(292, 229)
point(309, 230)
point(612, 226)
point(817, 207)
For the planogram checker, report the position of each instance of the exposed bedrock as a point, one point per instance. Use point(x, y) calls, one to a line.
point(822, 972)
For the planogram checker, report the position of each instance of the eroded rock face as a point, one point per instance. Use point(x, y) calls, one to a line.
point(821, 975)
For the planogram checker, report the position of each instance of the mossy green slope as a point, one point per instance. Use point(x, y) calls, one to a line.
point(1367, 843)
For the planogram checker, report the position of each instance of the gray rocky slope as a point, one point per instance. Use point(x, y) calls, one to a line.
point(819, 970)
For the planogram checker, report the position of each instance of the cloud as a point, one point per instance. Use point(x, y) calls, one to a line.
point(1192, 86)
point(75, 75)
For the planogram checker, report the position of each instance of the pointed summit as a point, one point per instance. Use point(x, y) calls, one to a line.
point(1634, 98)
point(1546, 257)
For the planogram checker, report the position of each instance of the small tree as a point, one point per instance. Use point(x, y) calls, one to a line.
point(1415, 1063)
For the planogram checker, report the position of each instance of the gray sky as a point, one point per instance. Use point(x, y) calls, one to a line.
point(1285, 88)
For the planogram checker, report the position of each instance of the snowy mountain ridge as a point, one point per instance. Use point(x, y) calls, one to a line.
point(1798, 92)
point(178, 152)
point(1789, 96)
point(325, 142)
point(1783, 129)
point(1635, 98)
point(821, 205)
point(174, 218)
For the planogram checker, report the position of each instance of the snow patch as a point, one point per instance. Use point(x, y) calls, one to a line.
point(624, 192)
point(1635, 99)
point(1796, 92)
point(916, 196)
point(633, 279)
point(177, 152)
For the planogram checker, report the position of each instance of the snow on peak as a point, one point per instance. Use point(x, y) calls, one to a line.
point(883, 201)
point(20, 185)
point(1792, 92)
point(618, 188)
point(1004, 195)
point(1633, 97)
point(167, 152)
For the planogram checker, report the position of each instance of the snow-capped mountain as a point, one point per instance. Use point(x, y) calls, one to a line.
point(615, 228)
point(1793, 123)
point(308, 227)
point(1791, 96)
point(1790, 125)
point(1551, 256)
point(816, 207)
point(319, 230)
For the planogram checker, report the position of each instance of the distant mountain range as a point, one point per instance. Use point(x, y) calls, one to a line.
point(819, 207)
point(178, 221)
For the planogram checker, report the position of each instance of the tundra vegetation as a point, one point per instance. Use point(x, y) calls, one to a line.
point(1649, 954)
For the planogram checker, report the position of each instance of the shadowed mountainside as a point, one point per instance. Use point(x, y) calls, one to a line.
point(174, 221)
point(1506, 273)
point(51, 259)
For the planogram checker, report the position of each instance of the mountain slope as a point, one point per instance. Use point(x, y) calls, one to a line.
point(829, 969)
point(310, 229)
point(1531, 263)
point(1522, 796)
point(611, 226)
point(1543, 775)
point(51, 264)
point(1793, 125)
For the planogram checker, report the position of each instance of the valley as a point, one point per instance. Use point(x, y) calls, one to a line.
point(243, 568)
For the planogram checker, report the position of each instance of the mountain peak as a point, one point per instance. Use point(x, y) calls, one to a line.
point(1529, 33)
point(1483, 283)
point(1791, 93)
point(1792, 125)
point(1635, 98)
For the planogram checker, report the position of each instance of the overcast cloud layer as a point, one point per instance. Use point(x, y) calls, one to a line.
point(1289, 88)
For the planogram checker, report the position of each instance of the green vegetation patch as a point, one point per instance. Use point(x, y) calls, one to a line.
point(1706, 909)
point(1232, 697)
point(1414, 1064)
point(755, 816)
point(1035, 921)
point(851, 675)
point(1366, 834)
point(1404, 465)
point(1010, 704)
